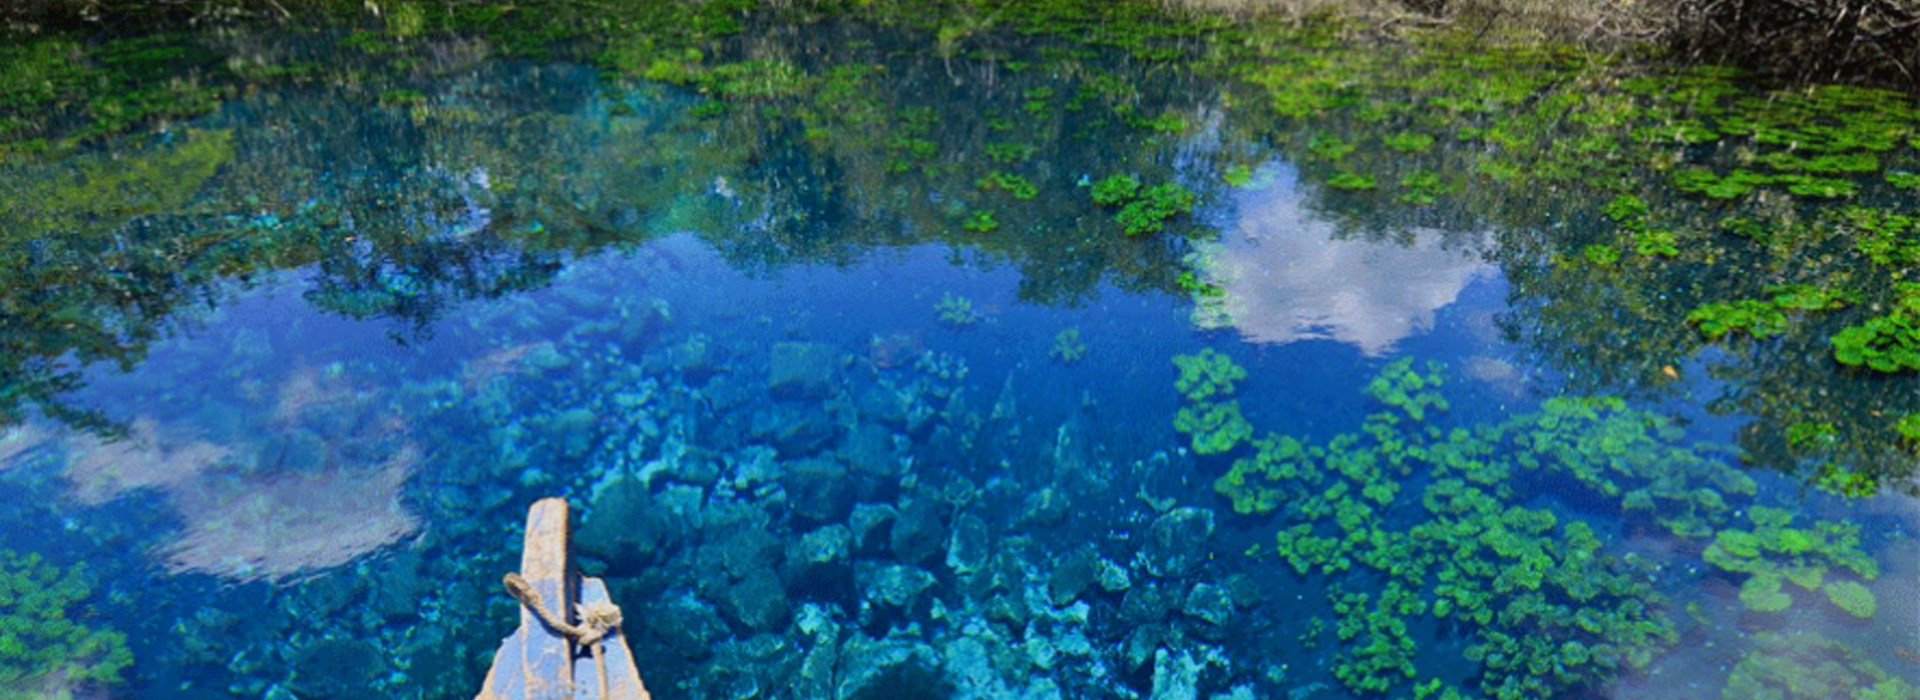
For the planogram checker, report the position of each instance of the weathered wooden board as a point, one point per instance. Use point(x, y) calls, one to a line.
point(539, 663)
point(623, 676)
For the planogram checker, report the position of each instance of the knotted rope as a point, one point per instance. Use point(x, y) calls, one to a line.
point(596, 622)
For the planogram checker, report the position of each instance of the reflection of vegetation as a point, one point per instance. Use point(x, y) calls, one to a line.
point(45, 651)
point(1496, 546)
point(831, 141)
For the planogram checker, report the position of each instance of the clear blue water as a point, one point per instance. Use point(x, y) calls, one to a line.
point(798, 479)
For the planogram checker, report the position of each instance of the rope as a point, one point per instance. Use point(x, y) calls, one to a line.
point(597, 621)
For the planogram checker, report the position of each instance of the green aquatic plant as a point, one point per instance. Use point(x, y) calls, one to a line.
point(46, 648)
point(1252, 482)
point(1019, 187)
point(1329, 148)
point(1758, 318)
point(1548, 607)
point(1149, 213)
point(1143, 210)
point(1009, 153)
point(1409, 142)
point(1351, 182)
point(955, 310)
point(1215, 427)
point(1889, 343)
point(1908, 428)
point(1774, 552)
point(1806, 665)
point(1600, 254)
point(1116, 190)
point(1068, 346)
point(981, 221)
point(1238, 175)
point(1420, 187)
point(1207, 374)
point(1852, 597)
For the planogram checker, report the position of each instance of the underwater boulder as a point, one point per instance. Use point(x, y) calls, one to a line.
point(1072, 575)
point(1046, 507)
point(817, 490)
point(890, 669)
point(1140, 646)
point(619, 527)
point(756, 602)
point(802, 370)
point(871, 524)
point(1209, 604)
point(686, 624)
point(918, 534)
point(1177, 542)
point(793, 431)
point(1176, 676)
point(893, 586)
point(1145, 603)
point(883, 406)
point(971, 545)
point(336, 668)
point(816, 563)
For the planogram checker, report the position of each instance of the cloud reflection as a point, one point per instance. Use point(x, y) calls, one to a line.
point(1289, 277)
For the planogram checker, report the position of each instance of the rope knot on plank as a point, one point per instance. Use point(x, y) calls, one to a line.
point(597, 620)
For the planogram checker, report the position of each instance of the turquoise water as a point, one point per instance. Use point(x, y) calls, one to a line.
point(826, 442)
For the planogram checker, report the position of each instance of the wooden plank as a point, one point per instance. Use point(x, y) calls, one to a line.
point(535, 662)
point(623, 676)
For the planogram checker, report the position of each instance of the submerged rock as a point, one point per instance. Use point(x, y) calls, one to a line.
point(892, 585)
point(1047, 507)
point(793, 431)
point(890, 669)
point(918, 534)
point(336, 668)
point(1210, 604)
point(1177, 542)
point(817, 490)
point(618, 528)
point(802, 370)
point(1072, 575)
point(756, 602)
point(871, 525)
point(687, 625)
point(1176, 676)
point(970, 547)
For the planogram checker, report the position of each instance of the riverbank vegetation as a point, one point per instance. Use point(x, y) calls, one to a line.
point(1849, 41)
